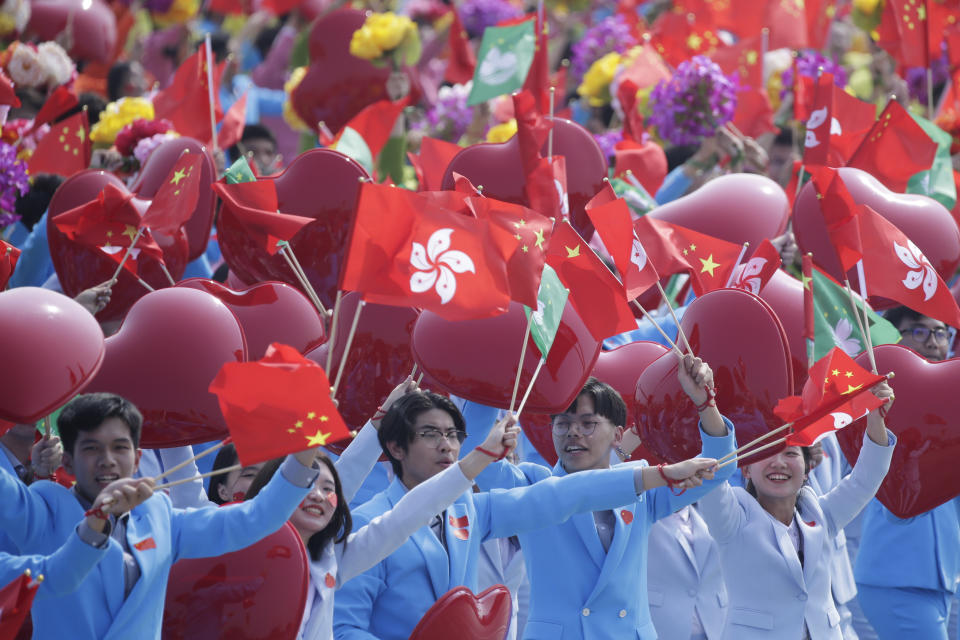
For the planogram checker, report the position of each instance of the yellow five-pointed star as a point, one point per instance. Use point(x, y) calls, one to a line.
point(318, 439)
point(311, 415)
point(179, 175)
point(835, 372)
point(693, 247)
point(806, 281)
point(324, 418)
point(518, 237)
point(709, 265)
point(109, 234)
point(540, 240)
point(81, 134)
point(298, 424)
point(525, 248)
point(130, 231)
point(572, 253)
point(849, 374)
point(519, 224)
point(851, 389)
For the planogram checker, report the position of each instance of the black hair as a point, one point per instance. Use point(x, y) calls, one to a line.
point(264, 40)
point(785, 137)
point(94, 104)
point(678, 154)
point(807, 465)
point(253, 131)
point(341, 523)
point(226, 457)
point(606, 402)
point(88, 411)
point(31, 205)
point(397, 425)
point(219, 45)
point(31, 101)
point(897, 315)
point(117, 78)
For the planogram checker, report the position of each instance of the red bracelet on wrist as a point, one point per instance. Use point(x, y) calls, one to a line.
point(492, 454)
point(711, 400)
point(52, 476)
point(380, 413)
point(97, 513)
point(671, 483)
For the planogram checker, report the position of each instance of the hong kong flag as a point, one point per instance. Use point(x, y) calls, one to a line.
point(759, 268)
point(615, 225)
point(837, 125)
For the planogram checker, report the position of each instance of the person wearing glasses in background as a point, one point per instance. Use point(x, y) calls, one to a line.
point(907, 570)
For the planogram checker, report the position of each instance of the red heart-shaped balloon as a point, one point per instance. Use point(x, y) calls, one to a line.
point(478, 359)
point(80, 267)
point(497, 167)
point(923, 220)
point(479, 617)
point(269, 312)
point(784, 294)
point(321, 245)
point(379, 357)
point(155, 172)
point(921, 475)
point(338, 84)
point(92, 26)
point(257, 593)
point(51, 349)
point(739, 207)
point(164, 356)
point(740, 337)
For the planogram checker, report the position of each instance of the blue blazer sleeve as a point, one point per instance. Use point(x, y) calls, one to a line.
point(62, 571)
point(25, 514)
point(353, 606)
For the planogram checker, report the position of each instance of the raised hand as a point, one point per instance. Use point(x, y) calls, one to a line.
point(117, 498)
point(45, 456)
point(696, 378)
point(690, 473)
point(409, 385)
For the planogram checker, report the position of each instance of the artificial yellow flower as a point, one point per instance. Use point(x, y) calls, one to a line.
point(180, 12)
point(363, 45)
point(596, 82)
point(119, 114)
point(866, 6)
point(388, 29)
point(774, 87)
point(289, 113)
point(384, 34)
point(502, 132)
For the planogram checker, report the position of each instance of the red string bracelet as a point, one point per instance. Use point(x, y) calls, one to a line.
point(711, 400)
point(97, 513)
point(671, 483)
point(380, 413)
point(492, 454)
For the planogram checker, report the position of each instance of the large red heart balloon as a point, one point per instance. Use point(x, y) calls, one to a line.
point(155, 172)
point(79, 267)
point(319, 184)
point(257, 593)
point(168, 349)
point(784, 294)
point(51, 349)
point(93, 26)
point(478, 359)
point(269, 312)
point(479, 617)
point(743, 341)
point(923, 417)
point(739, 207)
point(922, 219)
point(498, 169)
point(379, 357)
point(337, 84)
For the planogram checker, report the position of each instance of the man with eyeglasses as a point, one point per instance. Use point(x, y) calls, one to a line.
point(907, 570)
point(421, 435)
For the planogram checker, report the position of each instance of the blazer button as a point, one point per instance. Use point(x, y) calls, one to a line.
point(623, 613)
point(585, 611)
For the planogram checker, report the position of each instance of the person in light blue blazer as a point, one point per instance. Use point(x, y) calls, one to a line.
point(123, 596)
point(423, 439)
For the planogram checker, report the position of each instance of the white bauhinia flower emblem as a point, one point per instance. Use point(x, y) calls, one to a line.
point(497, 67)
point(748, 279)
point(538, 314)
point(638, 255)
point(562, 196)
point(817, 118)
point(840, 419)
point(922, 272)
point(841, 335)
point(436, 265)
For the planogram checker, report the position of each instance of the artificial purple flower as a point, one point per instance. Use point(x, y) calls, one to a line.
point(809, 63)
point(477, 15)
point(609, 35)
point(696, 101)
point(156, 6)
point(13, 182)
point(608, 141)
point(450, 117)
point(917, 78)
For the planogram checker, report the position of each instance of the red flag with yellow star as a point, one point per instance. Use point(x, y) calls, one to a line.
point(837, 392)
point(65, 149)
point(674, 249)
point(177, 197)
point(254, 206)
point(277, 405)
point(186, 102)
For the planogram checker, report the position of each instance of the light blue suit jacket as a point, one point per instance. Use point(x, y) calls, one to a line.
point(62, 571)
point(577, 590)
point(388, 601)
point(39, 519)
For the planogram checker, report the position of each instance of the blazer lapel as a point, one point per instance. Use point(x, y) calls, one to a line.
point(458, 529)
point(434, 555)
point(621, 538)
point(814, 536)
point(789, 552)
point(688, 550)
point(586, 528)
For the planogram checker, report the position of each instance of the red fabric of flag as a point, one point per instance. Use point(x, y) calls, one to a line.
point(839, 211)
point(432, 162)
point(9, 255)
point(532, 129)
point(753, 114)
point(231, 130)
point(462, 60)
point(895, 149)
point(648, 68)
point(65, 149)
point(903, 32)
point(537, 81)
point(837, 125)
point(421, 255)
point(176, 199)
point(8, 95)
point(277, 405)
point(254, 204)
point(15, 601)
point(787, 22)
point(62, 99)
point(633, 120)
point(595, 293)
point(646, 161)
point(758, 270)
point(374, 124)
point(615, 225)
point(809, 331)
point(546, 188)
point(745, 58)
point(186, 102)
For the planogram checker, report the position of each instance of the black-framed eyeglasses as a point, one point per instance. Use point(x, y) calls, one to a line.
point(921, 333)
point(562, 425)
point(432, 437)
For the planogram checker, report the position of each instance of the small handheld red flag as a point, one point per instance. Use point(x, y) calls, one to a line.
point(176, 199)
point(9, 255)
point(614, 224)
point(15, 601)
point(65, 149)
point(254, 204)
point(758, 269)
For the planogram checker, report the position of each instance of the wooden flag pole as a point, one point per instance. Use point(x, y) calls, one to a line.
point(145, 285)
point(305, 280)
point(743, 251)
point(734, 454)
point(213, 114)
point(133, 243)
point(523, 353)
point(287, 252)
point(673, 313)
point(646, 314)
point(333, 331)
point(196, 457)
point(346, 347)
point(166, 272)
point(215, 472)
point(750, 453)
point(47, 427)
point(526, 394)
point(868, 342)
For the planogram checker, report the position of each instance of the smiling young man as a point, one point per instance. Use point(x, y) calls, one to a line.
point(421, 435)
point(123, 595)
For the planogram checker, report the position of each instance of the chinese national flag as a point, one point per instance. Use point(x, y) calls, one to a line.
point(63, 99)
point(15, 601)
point(255, 206)
point(615, 225)
point(8, 95)
point(838, 210)
point(595, 292)
point(176, 199)
point(647, 70)
point(65, 149)
point(277, 405)
point(537, 81)
point(895, 268)
point(679, 34)
point(674, 249)
point(407, 251)
point(8, 262)
point(837, 125)
point(837, 393)
point(759, 268)
point(186, 102)
point(531, 233)
point(745, 58)
point(895, 149)
point(532, 130)
point(462, 61)
point(431, 163)
point(787, 21)
point(231, 130)
point(754, 113)
point(646, 161)
point(904, 32)
point(546, 188)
